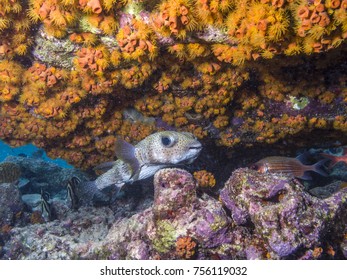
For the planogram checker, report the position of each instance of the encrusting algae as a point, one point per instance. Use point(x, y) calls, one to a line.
point(193, 65)
point(9, 172)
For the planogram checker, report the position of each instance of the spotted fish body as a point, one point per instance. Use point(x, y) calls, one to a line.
point(138, 162)
point(9, 172)
point(288, 166)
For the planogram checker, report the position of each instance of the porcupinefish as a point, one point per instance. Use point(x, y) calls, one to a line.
point(134, 163)
point(288, 166)
point(9, 172)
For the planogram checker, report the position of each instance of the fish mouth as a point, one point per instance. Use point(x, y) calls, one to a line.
point(196, 147)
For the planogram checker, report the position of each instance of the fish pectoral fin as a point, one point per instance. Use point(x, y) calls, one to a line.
point(124, 150)
point(105, 166)
point(135, 175)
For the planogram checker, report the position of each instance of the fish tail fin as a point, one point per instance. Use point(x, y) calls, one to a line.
point(88, 194)
point(318, 167)
point(333, 159)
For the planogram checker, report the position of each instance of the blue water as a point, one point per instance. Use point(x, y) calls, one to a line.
point(28, 150)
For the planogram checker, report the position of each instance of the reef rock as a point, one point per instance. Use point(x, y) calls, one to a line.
point(177, 213)
point(11, 205)
point(43, 175)
point(288, 220)
point(68, 238)
point(53, 51)
point(258, 216)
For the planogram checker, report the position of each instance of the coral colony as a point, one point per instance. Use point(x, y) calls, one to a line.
point(78, 75)
point(183, 62)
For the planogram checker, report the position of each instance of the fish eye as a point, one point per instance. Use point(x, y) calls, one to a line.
point(253, 167)
point(166, 141)
point(45, 196)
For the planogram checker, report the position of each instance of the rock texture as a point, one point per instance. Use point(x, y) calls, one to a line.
point(258, 216)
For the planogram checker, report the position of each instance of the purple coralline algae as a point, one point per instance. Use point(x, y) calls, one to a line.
point(288, 220)
point(176, 212)
point(258, 216)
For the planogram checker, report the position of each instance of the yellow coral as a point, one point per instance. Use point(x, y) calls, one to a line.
point(213, 12)
point(176, 17)
point(108, 25)
point(204, 179)
point(136, 41)
point(185, 83)
point(4, 23)
point(10, 73)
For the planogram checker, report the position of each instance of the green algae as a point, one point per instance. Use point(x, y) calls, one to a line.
point(165, 237)
point(298, 103)
point(218, 223)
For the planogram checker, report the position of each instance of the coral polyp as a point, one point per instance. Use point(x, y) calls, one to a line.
point(10, 73)
point(185, 247)
point(56, 15)
point(137, 41)
point(204, 179)
point(176, 18)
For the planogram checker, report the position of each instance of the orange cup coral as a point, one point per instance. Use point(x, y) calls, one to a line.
point(185, 247)
point(95, 6)
point(204, 179)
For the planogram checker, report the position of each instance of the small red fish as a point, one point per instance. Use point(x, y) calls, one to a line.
point(289, 166)
point(335, 159)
